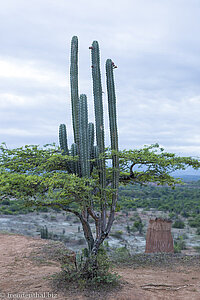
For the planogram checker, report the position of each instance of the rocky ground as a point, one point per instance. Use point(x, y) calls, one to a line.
point(67, 228)
point(25, 274)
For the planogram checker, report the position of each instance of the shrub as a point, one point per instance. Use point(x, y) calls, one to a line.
point(43, 209)
point(53, 218)
point(117, 234)
point(79, 273)
point(178, 224)
point(172, 215)
point(179, 244)
point(5, 202)
point(138, 225)
point(185, 214)
point(45, 234)
point(195, 222)
point(6, 211)
point(198, 231)
point(197, 248)
point(120, 255)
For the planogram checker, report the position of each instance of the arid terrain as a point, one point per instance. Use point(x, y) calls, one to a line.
point(23, 269)
point(67, 228)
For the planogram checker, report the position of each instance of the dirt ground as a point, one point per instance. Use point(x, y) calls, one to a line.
point(23, 278)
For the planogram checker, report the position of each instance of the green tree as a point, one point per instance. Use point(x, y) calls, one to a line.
point(39, 177)
point(80, 180)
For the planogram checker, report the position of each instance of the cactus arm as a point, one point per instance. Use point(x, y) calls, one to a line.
point(98, 107)
point(74, 152)
point(113, 137)
point(63, 139)
point(97, 92)
point(84, 145)
point(91, 144)
point(96, 156)
point(64, 146)
point(74, 88)
point(91, 139)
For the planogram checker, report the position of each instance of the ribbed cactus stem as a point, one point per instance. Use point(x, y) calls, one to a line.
point(91, 139)
point(90, 156)
point(97, 92)
point(84, 145)
point(74, 164)
point(98, 106)
point(113, 136)
point(63, 139)
point(74, 88)
point(96, 156)
point(112, 105)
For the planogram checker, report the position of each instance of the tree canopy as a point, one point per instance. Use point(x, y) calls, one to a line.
point(39, 175)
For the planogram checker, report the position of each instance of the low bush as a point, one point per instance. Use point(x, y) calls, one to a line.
point(198, 231)
point(117, 234)
point(121, 255)
point(5, 202)
point(178, 224)
point(80, 273)
point(194, 222)
point(179, 244)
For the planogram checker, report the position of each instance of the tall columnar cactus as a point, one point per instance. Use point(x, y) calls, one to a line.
point(98, 108)
point(74, 164)
point(63, 138)
point(89, 155)
point(74, 88)
point(97, 92)
point(84, 154)
point(112, 117)
point(113, 134)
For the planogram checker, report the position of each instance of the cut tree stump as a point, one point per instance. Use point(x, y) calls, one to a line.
point(159, 237)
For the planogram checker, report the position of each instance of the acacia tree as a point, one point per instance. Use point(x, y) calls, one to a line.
point(80, 180)
point(39, 177)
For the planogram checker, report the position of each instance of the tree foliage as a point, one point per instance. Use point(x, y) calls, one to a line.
point(38, 176)
point(153, 164)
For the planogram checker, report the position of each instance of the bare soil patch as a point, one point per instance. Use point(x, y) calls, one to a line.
point(24, 268)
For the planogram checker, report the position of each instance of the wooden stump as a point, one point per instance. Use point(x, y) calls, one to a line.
point(159, 237)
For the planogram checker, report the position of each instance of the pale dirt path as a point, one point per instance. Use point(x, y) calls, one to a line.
point(18, 274)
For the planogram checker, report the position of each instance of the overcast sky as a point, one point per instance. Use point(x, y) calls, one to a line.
point(154, 43)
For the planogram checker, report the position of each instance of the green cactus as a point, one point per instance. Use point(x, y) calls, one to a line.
point(44, 234)
point(84, 138)
point(112, 115)
point(63, 139)
point(74, 88)
point(89, 155)
point(97, 92)
point(74, 164)
point(91, 138)
point(83, 132)
point(98, 108)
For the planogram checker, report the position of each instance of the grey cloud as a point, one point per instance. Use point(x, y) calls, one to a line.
point(155, 45)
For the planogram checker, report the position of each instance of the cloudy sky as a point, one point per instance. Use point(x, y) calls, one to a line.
point(154, 43)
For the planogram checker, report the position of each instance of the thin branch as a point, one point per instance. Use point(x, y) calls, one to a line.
point(163, 287)
point(86, 226)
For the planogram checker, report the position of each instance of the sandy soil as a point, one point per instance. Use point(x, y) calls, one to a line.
point(19, 274)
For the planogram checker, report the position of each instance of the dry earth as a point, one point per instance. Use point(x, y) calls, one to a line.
point(20, 273)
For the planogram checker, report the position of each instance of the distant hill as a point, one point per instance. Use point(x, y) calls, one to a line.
point(187, 178)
